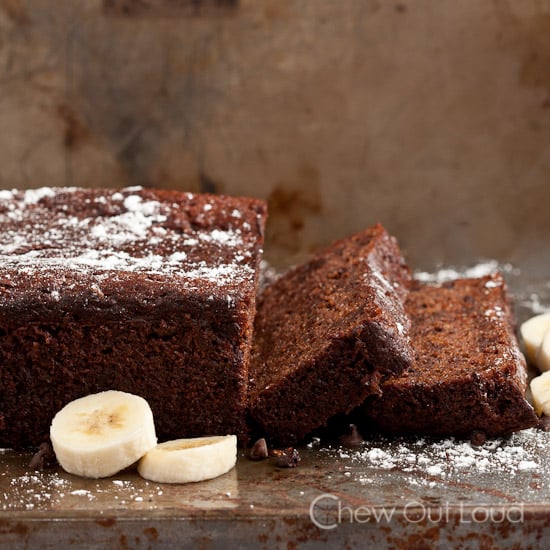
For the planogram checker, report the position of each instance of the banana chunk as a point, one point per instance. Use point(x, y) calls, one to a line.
point(543, 353)
point(540, 389)
point(186, 460)
point(102, 433)
point(532, 334)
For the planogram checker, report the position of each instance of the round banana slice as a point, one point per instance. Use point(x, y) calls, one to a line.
point(103, 433)
point(540, 390)
point(186, 460)
point(532, 333)
point(543, 353)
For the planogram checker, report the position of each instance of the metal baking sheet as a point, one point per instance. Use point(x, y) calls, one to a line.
point(399, 493)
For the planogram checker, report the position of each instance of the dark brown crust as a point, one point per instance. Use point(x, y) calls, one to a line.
point(181, 343)
point(326, 333)
point(468, 373)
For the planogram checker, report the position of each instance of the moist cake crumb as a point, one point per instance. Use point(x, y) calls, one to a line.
point(326, 333)
point(468, 374)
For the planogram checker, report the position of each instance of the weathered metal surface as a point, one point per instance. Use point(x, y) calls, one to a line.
point(258, 505)
point(169, 8)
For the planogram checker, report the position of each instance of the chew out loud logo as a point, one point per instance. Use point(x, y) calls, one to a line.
point(328, 511)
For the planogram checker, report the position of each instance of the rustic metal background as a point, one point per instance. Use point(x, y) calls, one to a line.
point(431, 116)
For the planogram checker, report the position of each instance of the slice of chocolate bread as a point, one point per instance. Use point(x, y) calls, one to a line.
point(326, 333)
point(468, 374)
point(145, 291)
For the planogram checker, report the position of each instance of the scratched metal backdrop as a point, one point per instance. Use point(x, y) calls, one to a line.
point(431, 116)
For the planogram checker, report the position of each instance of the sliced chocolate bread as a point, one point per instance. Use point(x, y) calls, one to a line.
point(468, 374)
point(326, 333)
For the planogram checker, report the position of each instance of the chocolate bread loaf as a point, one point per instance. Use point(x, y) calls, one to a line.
point(326, 333)
point(468, 374)
point(149, 292)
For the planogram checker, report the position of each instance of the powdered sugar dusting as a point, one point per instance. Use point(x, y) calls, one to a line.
point(494, 313)
point(449, 458)
point(225, 238)
point(6, 195)
point(121, 231)
point(49, 490)
point(32, 196)
point(129, 226)
point(534, 303)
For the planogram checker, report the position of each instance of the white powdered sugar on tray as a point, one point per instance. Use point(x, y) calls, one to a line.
point(135, 235)
point(34, 490)
point(46, 490)
point(449, 455)
point(427, 458)
point(534, 303)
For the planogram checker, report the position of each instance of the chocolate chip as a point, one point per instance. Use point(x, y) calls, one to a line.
point(258, 451)
point(287, 458)
point(43, 458)
point(351, 439)
point(478, 438)
point(544, 423)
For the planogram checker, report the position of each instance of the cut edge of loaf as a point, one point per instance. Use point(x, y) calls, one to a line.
point(487, 397)
point(326, 332)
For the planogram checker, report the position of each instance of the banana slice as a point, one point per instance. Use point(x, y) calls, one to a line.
point(185, 460)
point(103, 433)
point(543, 353)
point(532, 333)
point(540, 390)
